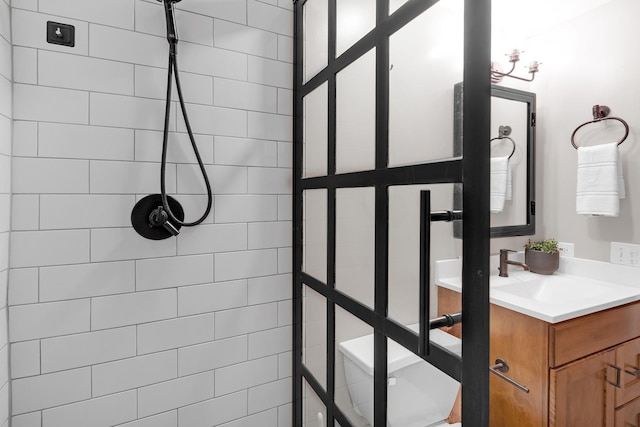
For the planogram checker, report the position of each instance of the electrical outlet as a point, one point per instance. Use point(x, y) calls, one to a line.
point(566, 249)
point(625, 254)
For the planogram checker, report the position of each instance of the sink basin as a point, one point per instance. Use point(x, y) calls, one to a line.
point(559, 296)
point(578, 288)
point(557, 289)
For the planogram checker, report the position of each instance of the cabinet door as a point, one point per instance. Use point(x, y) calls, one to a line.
point(580, 394)
point(628, 359)
point(521, 341)
point(629, 414)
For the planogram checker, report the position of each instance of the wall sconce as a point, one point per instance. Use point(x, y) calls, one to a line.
point(496, 69)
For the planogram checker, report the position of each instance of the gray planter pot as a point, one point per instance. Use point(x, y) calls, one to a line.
point(542, 262)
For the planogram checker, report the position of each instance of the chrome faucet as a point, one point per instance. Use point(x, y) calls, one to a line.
point(505, 261)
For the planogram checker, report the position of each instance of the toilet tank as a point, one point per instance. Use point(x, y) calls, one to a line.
point(418, 393)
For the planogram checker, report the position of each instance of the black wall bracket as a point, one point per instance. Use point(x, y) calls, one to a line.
point(62, 34)
point(151, 221)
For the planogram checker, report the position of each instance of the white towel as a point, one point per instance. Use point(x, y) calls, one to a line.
point(621, 190)
point(600, 182)
point(498, 187)
point(509, 194)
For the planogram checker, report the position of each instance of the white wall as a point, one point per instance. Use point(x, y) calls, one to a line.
point(588, 60)
point(5, 199)
point(581, 67)
point(108, 328)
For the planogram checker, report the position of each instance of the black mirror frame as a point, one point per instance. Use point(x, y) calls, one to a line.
point(529, 98)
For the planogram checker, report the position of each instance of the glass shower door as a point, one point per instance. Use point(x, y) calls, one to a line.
point(374, 174)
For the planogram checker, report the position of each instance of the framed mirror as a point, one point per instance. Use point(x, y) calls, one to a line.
point(513, 121)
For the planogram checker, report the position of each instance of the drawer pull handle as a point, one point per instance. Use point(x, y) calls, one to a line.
point(500, 367)
point(635, 372)
point(618, 371)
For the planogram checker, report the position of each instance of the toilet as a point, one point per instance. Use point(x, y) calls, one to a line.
point(419, 394)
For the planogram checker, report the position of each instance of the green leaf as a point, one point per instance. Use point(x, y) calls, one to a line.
point(547, 245)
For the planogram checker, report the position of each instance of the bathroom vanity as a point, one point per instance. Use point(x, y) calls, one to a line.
point(580, 365)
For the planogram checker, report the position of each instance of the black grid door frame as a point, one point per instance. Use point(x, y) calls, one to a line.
point(472, 371)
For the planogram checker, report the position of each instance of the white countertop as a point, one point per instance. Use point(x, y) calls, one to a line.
point(579, 287)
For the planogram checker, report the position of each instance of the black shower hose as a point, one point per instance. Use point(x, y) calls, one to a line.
point(173, 65)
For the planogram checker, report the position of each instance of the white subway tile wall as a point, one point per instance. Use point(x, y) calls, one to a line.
point(99, 412)
point(246, 375)
point(6, 83)
point(217, 411)
point(4, 275)
point(134, 372)
point(25, 359)
point(107, 328)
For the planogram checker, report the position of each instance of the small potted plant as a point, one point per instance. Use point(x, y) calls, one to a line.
point(542, 256)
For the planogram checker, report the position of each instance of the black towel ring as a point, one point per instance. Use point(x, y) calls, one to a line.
point(503, 133)
point(601, 113)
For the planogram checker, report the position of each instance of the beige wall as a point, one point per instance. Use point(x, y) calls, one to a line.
point(581, 67)
point(588, 60)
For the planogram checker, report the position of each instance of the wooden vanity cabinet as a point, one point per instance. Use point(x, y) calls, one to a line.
point(579, 372)
point(628, 359)
point(579, 393)
point(628, 415)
